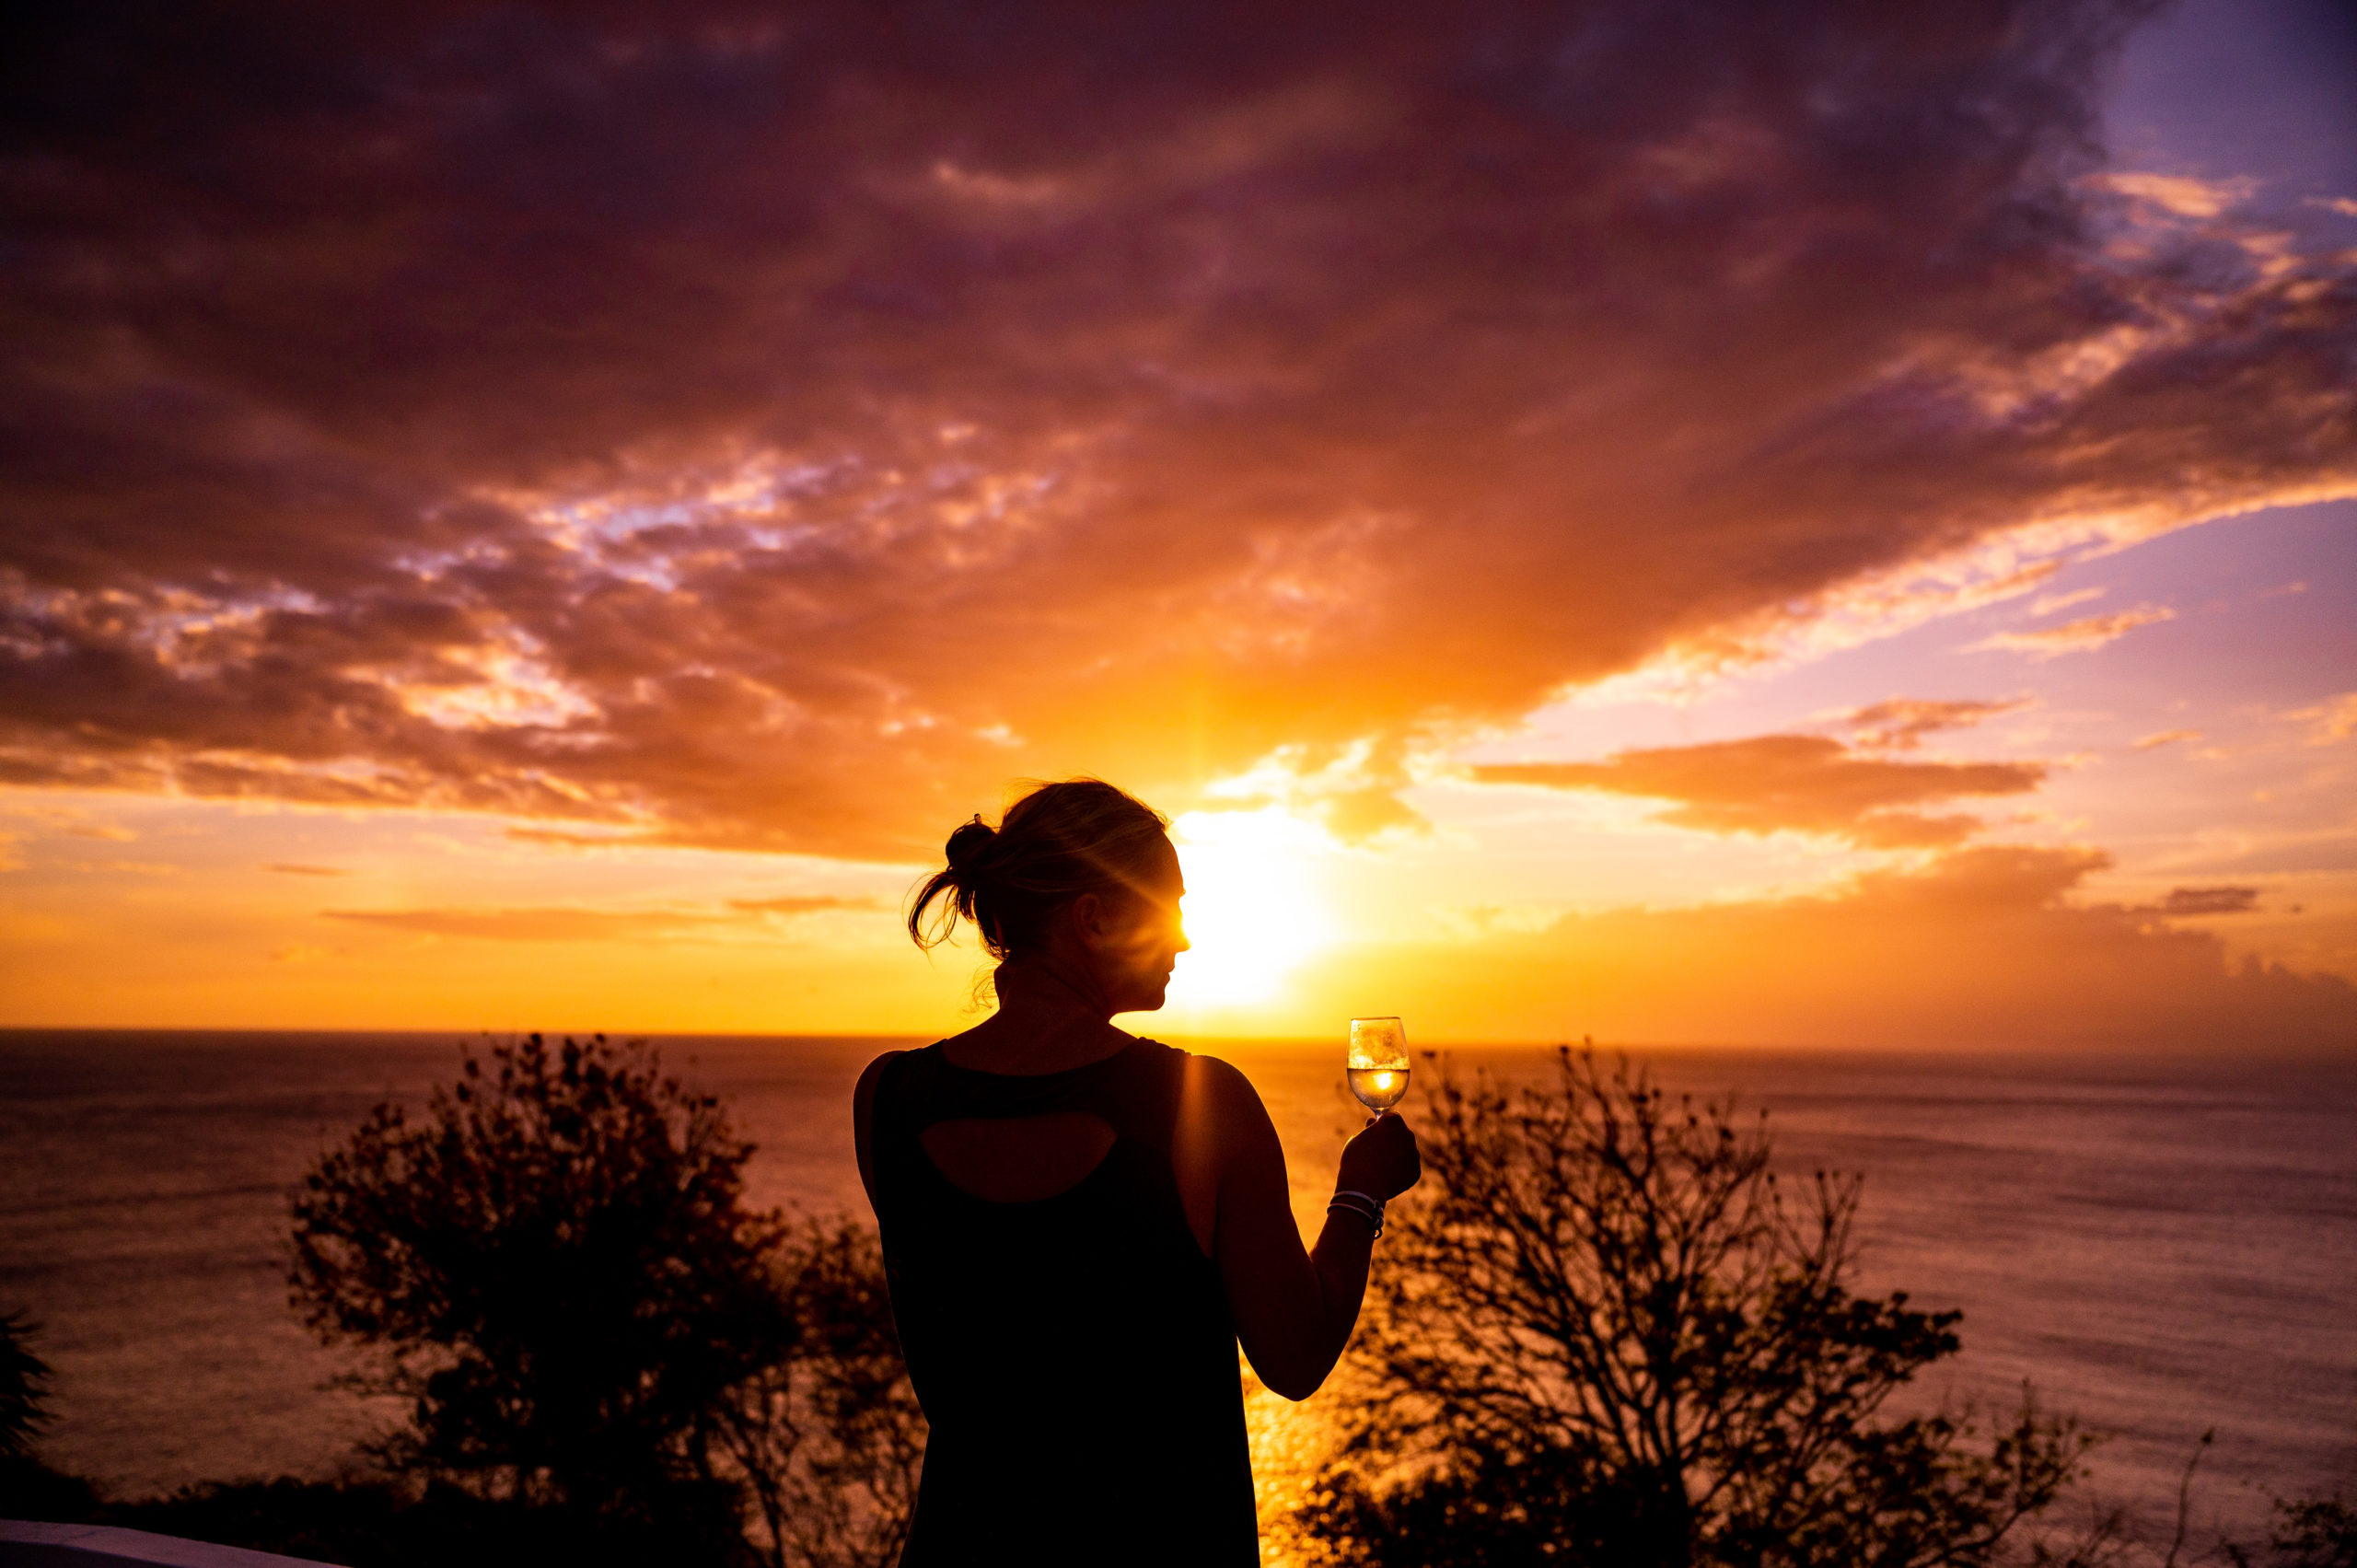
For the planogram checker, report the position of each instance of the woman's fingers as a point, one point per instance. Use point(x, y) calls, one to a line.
point(1383, 1159)
point(1411, 1158)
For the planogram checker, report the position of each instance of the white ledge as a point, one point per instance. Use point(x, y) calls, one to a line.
point(27, 1545)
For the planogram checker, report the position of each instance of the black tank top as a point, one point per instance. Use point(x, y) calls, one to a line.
point(1074, 1356)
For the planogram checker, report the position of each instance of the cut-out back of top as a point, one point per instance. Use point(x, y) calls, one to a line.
point(1024, 1159)
point(1074, 1350)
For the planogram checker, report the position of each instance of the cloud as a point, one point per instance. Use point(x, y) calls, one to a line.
point(70, 822)
point(2210, 900)
point(572, 923)
point(2047, 604)
point(556, 924)
point(1984, 948)
point(805, 903)
point(560, 838)
point(2330, 720)
point(1772, 782)
point(2077, 636)
point(2182, 195)
point(107, 831)
point(294, 868)
point(1900, 723)
point(2166, 738)
point(301, 953)
point(718, 425)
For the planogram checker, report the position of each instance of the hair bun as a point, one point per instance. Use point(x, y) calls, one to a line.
point(1056, 844)
point(969, 844)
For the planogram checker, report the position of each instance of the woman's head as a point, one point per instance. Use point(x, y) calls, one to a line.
point(1078, 852)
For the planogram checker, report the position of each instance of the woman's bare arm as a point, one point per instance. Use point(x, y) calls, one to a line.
point(1293, 1309)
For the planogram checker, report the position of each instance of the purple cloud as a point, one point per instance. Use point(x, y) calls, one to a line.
point(740, 427)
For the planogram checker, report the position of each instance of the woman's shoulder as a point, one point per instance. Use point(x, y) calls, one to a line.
point(872, 1071)
point(1222, 1085)
point(862, 1093)
point(898, 1054)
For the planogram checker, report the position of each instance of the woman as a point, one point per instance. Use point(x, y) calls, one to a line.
point(1080, 1225)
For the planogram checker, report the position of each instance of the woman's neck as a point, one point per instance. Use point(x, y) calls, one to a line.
point(1048, 1020)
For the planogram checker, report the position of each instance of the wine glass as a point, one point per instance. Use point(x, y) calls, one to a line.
point(1378, 1064)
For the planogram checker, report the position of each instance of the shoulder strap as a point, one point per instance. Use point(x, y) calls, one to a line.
point(1140, 1094)
point(904, 1093)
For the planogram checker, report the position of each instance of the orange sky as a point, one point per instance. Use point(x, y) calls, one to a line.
point(1839, 530)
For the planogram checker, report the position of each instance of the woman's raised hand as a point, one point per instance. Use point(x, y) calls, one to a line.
point(1381, 1161)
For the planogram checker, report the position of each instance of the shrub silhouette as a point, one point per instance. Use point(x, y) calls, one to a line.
point(560, 1268)
point(831, 1440)
point(30, 1488)
point(1606, 1334)
point(24, 1387)
point(2316, 1531)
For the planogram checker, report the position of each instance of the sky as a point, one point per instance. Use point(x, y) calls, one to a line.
point(1677, 523)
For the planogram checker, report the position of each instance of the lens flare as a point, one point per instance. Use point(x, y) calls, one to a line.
point(1253, 908)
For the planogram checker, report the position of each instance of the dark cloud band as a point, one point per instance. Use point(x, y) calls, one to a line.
point(775, 429)
point(1805, 782)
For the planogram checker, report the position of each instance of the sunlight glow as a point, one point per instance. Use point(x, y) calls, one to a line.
point(1253, 908)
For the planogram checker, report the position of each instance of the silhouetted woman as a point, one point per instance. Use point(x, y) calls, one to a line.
point(1079, 1225)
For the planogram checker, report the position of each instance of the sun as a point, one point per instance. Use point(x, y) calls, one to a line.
point(1253, 910)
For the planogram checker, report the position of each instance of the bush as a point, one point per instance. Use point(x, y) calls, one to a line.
point(830, 1441)
point(1603, 1333)
point(825, 1445)
point(30, 1488)
point(24, 1387)
point(559, 1266)
point(2318, 1531)
point(371, 1524)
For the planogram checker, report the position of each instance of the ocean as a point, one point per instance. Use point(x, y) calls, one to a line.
point(2160, 1245)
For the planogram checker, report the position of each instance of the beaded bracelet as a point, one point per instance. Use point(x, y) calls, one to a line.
point(1368, 1206)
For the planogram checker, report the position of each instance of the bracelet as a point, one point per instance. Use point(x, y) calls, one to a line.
point(1368, 1206)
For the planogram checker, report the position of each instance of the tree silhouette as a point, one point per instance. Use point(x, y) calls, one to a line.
point(1605, 1333)
point(560, 1265)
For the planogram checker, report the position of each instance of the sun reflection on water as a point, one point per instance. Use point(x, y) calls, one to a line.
point(1289, 1444)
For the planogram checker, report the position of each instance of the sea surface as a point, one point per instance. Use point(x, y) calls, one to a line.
point(2160, 1245)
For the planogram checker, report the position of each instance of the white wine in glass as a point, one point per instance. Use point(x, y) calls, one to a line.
point(1378, 1065)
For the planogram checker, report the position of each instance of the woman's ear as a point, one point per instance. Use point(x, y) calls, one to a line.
point(1087, 914)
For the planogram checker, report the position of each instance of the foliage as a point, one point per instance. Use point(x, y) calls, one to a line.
point(30, 1488)
point(380, 1524)
point(2319, 1531)
point(24, 1387)
point(2316, 1531)
point(603, 1346)
point(830, 1441)
point(1603, 1333)
point(560, 1264)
